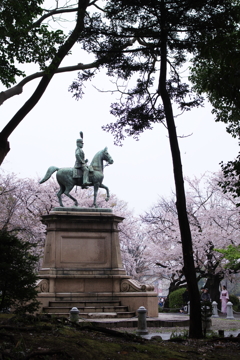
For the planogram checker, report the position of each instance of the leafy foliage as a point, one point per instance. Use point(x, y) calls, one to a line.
point(17, 274)
point(215, 69)
point(129, 40)
point(215, 72)
point(235, 301)
point(231, 180)
point(214, 223)
point(23, 42)
point(175, 298)
point(232, 255)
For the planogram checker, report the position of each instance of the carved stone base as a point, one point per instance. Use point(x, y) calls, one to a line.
point(82, 262)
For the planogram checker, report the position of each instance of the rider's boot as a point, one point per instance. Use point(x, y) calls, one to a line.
point(85, 180)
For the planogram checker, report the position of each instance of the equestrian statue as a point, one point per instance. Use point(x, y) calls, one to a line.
point(81, 174)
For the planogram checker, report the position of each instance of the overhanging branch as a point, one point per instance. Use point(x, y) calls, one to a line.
point(18, 89)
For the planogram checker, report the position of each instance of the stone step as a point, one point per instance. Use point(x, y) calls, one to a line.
point(80, 304)
point(89, 309)
point(126, 314)
point(102, 315)
point(85, 309)
point(122, 315)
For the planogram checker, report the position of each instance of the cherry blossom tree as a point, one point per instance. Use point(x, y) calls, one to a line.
point(151, 242)
point(134, 247)
point(24, 201)
point(214, 222)
point(21, 208)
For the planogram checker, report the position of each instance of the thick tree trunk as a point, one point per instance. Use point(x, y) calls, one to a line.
point(49, 73)
point(4, 149)
point(213, 285)
point(195, 328)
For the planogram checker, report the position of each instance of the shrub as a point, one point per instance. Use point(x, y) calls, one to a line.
point(17, 274)
point(235, 301)
point(175, 299)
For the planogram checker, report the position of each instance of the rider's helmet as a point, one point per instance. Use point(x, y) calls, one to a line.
point(80, 141)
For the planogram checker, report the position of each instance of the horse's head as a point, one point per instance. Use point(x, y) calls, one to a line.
point(97, 161)
point(106, 156)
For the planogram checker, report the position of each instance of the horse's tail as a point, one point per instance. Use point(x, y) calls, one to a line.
point(49, 173)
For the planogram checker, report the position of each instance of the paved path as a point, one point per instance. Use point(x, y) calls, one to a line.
point(167, 318)
point(161, 316)
point(167, 323)
point(167, 335)
point(163, 319)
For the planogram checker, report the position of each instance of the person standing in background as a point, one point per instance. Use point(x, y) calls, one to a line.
point(224, 297)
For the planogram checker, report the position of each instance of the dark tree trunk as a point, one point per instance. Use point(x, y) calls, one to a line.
point(195, 328)
point(4, 149)
point(213, 285)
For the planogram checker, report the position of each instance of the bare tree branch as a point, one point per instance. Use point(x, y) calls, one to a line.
point(18, 89)
point(51, 13)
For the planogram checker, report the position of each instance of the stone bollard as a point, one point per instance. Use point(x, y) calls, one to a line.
point(142, 321)
point(74, 315)
point(229, 310)
point(214, 310)
point(188, 308)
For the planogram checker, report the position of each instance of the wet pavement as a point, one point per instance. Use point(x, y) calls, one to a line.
point(173, 322)
point(167, 336)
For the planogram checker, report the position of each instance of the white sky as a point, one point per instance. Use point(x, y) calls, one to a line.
point(142, 171)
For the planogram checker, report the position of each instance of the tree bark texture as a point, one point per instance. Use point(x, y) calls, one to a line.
point(213, 285)
point(4, 149)
point(195, 328)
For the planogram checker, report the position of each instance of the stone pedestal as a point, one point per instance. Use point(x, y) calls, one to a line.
point(82, 261)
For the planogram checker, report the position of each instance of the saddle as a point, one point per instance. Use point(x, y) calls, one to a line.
point(77, 173)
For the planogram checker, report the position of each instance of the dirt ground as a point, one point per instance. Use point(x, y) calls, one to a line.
point(46, 338)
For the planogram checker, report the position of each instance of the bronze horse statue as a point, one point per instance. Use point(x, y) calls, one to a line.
point(67, 182)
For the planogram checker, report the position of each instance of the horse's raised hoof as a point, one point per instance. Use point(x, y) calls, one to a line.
point(107, 199)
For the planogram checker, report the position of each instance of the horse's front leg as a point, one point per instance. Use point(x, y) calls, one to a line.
point(96, 187)
point(107, 191)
